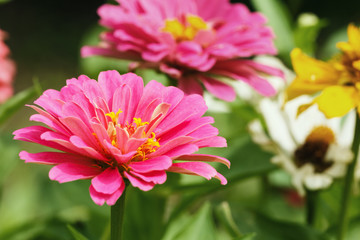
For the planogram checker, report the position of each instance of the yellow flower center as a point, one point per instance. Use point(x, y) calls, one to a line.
point(321, 134)
point(187, 30)
point(149, 146)
point(313, 151)
point(349, 61)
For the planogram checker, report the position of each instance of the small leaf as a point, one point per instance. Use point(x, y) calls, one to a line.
point(18, 101)
point(76, 234)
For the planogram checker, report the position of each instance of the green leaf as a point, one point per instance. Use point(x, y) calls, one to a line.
point(18, 101)
point(199, 227)
point(75, 233)
point(281, 22)
point(223, 213)
point(271, 229)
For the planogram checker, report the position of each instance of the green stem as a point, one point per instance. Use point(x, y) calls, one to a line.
point(349, 179)
point(117, 217)
point(312, 198)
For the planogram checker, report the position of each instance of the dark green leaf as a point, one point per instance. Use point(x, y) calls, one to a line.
point(270, 229)
point(75, 233)
point(16, 102)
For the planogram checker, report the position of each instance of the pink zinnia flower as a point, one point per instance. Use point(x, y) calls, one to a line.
point(7, 70)
point(197, 42)
point(117, 129)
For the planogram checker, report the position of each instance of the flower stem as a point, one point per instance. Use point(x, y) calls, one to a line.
point(349, 179)
point(117, 217)
point(312, 198)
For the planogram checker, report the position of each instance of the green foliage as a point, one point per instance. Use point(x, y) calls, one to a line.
point(270, 229)
point(76, 234)
point(15, 103)
point(143, 218)
point(252, 206)
point(197, 227)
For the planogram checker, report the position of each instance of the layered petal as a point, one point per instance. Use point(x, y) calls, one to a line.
point(116, 128)
point(187, 39)
point(337, 101)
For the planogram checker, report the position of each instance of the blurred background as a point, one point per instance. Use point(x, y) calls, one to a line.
point(45, 38)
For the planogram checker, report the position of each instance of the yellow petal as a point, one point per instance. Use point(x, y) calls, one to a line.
point(196, 22)
point(336, 101)
point(174, 27)
point(354, 36)
point(299, 87)
point(356, 65)
point(345, 47)
point(313, 71)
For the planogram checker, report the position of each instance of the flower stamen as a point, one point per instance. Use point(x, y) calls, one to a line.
point(185, 31)
point(314, 150)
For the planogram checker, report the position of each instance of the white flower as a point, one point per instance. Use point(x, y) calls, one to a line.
point(311, 148)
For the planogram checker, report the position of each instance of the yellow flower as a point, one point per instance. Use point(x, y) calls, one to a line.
point(338, 79)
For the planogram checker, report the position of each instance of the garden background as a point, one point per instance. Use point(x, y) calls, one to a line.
point(45, 41)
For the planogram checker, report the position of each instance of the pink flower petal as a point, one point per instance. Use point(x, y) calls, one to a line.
point(194, 168)
point(215, 141)
point(222, 179)
point(67, 172)
point(219, 89)
point(33, 134)
point(139, 183)
point(190, 85)
point(174, 143)
point(192, 106)
point(53, 158)
point(185, 128)
point(100, 198)
point(205, 158)
point(152, 164)
point(156, 177)
point(108, 181)
point(181, 150)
